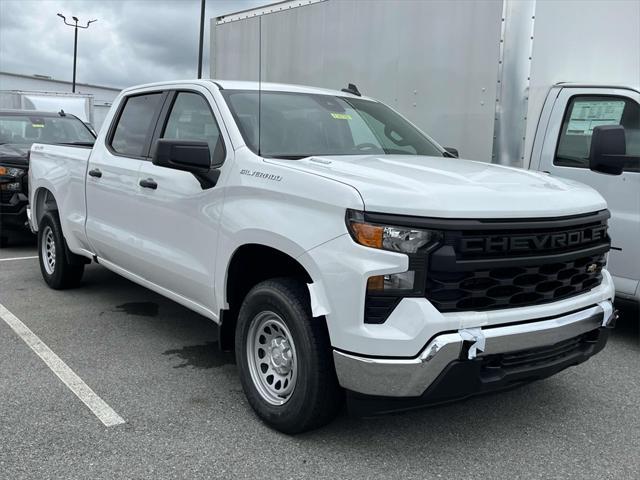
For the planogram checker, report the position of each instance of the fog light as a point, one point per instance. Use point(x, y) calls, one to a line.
point(12, 187)
point(392, 282)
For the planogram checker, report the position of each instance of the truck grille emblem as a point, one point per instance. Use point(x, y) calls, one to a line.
point(592, 268)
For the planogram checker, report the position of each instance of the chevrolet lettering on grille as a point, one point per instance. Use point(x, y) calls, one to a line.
point(522, 243)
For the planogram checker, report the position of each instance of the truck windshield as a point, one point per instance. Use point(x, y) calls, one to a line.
point(299, 125)
point(28, 129)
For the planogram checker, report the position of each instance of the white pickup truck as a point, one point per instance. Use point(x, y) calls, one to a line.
point(338, 247)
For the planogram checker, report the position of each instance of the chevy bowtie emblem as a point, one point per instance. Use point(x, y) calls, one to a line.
point(592, 268)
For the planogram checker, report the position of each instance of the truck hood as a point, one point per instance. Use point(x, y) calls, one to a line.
point(451, 187)
point(14, 154)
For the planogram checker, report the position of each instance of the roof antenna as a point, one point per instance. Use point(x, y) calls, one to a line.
point(352, 89)
point(61, 113)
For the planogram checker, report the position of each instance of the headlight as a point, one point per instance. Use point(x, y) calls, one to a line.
point(11, 171)
point(389, 237)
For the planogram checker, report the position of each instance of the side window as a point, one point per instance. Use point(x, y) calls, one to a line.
point(136, 124)
point(583, 114)
point(191, 119)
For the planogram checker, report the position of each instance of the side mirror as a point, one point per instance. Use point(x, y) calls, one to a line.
point(186, 155)
point(190, 156)
point(453, 152)
point(608, 149)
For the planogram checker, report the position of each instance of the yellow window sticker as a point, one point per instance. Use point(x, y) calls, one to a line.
point(341, 116)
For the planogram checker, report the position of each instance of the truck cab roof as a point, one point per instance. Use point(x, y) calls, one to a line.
point(247, 85)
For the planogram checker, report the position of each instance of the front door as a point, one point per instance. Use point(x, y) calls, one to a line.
point(565, 153)
point(179, 217)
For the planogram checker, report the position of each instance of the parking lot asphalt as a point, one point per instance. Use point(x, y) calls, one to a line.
point(157, 365)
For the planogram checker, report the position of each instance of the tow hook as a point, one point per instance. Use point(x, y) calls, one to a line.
point(610, 316)
point(611, 323)
point(475, 337)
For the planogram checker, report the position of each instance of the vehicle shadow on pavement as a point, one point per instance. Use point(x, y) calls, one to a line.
point(628, 326)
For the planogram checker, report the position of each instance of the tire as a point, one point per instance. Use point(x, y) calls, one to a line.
point(275, 317)
point(60, 269)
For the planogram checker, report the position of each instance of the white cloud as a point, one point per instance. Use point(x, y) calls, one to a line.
point(133, 41)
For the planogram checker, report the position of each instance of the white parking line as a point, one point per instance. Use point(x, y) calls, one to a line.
point(98, 406)
point(17, 258)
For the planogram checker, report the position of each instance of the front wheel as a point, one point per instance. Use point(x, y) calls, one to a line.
point(284, 357)
point(58, 269)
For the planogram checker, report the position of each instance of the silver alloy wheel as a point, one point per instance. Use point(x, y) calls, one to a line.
point(48, 250)
point(271, 354)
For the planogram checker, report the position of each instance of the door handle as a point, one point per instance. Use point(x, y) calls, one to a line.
point(148, 183)
point(95, 173)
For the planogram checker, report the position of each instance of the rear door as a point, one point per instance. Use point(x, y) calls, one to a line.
point(113, 190)
point(565, 152)
point(179, 218)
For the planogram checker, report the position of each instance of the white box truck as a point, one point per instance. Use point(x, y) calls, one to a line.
point(78, 104)
point(520, 83)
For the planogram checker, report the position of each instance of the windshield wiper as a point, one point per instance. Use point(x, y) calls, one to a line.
point(286, 157)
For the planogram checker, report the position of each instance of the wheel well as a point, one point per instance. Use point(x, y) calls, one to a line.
point(44, 202)
point(250, 265)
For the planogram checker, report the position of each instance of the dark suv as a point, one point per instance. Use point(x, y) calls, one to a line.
point(19, 129)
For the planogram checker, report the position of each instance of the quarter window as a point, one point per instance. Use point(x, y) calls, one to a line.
point(136, 124)
point(583, 114)
point(191, 119)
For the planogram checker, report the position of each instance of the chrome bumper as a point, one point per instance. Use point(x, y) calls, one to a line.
point(411, 377)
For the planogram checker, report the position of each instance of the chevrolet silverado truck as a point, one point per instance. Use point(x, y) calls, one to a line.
point(341, 251)
point(19, 129)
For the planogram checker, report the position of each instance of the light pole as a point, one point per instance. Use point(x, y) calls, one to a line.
point(75, 42)
point(200, 46)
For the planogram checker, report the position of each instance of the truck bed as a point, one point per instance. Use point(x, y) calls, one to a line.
point(61, 170)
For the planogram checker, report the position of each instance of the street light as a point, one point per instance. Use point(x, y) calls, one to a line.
point(75, 42)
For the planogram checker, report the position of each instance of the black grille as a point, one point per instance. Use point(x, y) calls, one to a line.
point(377, 308)
point(526, 359)
point(6, 195)
point(513, 286)
point(459, 280)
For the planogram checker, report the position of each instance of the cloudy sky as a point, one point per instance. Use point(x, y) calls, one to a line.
point(133, 41)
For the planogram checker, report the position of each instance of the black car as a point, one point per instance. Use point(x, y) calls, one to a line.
point(19, 129)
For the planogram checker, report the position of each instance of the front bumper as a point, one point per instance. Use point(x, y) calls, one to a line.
point(393, 377)
point(13, 212)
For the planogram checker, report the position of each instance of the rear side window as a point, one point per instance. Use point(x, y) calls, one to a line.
point(136, 124)
point(192, 119)
point(583, 114)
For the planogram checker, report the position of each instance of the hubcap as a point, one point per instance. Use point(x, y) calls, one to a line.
point(271, 355)
point(48, 248)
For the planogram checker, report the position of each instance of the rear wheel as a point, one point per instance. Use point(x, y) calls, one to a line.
point(59, 268)
point(284, 357)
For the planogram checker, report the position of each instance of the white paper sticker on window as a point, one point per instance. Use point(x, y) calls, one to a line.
point(588, 114)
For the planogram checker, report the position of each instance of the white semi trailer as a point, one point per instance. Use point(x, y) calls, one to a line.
point(515, 82)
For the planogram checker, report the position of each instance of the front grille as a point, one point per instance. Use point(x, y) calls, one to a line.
point(504, 287)
point(460, 278)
